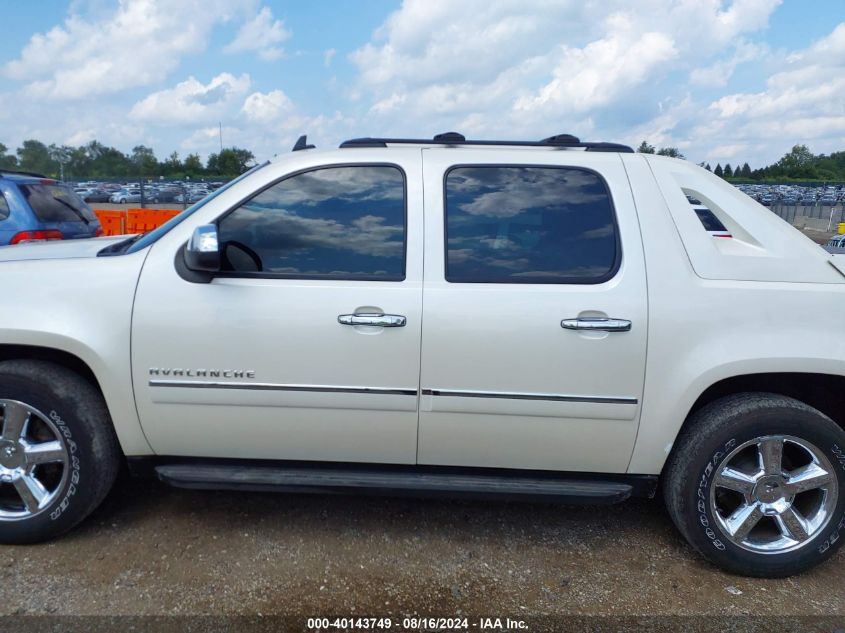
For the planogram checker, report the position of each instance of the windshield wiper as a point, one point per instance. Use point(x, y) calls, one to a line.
point(76, 211)
point(118, 248)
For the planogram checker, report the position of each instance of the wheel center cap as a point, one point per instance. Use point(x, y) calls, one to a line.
point(771, 490)
point(10, 455)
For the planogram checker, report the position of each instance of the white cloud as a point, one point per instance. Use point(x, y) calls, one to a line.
point(328, 56)
point(802, 102)
point(494, 67)
point(262, 34)
point(603, 70)
point(718, 73)
point(191, 101)
point(264, 108)
point(135, 45)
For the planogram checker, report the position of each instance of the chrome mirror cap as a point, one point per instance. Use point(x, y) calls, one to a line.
point(203, 252)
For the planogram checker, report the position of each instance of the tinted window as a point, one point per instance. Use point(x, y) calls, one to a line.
point(528, 225)
point(710, 221)
point(335, 223)
point(4, 207)
point(56, 203)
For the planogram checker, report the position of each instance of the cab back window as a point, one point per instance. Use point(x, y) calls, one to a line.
point(4, 207)
point(56, 203)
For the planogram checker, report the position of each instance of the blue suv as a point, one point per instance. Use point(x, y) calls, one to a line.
point(36, 208)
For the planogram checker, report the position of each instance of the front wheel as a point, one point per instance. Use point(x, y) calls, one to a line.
point(756, 483)
point(58, 452)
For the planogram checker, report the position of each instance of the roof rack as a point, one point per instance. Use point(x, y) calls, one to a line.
point(454, 138)
point(21, 173)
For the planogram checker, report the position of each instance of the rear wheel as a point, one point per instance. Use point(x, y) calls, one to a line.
point(58, 452)
point(755, 483)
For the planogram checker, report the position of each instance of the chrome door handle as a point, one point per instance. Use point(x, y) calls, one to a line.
point(596, 324)
point(378, 320)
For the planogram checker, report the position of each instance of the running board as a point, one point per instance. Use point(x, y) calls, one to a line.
point(291, 479)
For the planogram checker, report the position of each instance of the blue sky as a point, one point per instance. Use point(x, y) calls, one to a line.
point(724, 80)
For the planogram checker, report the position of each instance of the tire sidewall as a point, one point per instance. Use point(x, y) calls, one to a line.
point(703, 526)
point(73, 501)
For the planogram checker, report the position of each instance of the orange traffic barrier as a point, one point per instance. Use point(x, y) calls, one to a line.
point(113, 222)
point(133, 220)
point(143, 220)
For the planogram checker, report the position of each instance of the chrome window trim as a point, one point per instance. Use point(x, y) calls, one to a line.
point(265, 386)
point(529, 396)
point(396, 391)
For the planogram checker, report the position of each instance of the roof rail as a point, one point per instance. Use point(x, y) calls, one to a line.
point(454, 138)
point(21, 173)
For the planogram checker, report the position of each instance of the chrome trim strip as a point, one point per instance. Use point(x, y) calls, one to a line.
point(529, 396)
point(266, 386)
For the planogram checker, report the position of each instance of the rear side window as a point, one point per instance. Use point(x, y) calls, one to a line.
point(514, 224)
point(56, 203)
point(4, 207)
point(329, 223)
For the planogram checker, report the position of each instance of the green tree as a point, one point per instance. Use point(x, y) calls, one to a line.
point(707, 167)
point(61, 156)
point(645, 148)
point(108, 162)
point(193, 165)
point(745, 172)
point(718, 171)
point(34, 156)
point(672, 152)
point(145, 160)
point(728, 173)
point(172, 165)
point(79, 164)
point(7, 161)
point(799, 162)
point(230, 162)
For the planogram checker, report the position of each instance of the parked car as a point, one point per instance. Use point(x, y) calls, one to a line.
point(35, 208)
point(122, 196)
point(836, 244)
point(442, 316)
point(98, 195)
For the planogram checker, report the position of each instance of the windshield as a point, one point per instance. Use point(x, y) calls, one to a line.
point(136, 244)
point(56, 203)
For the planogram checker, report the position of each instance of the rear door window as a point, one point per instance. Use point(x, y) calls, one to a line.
point(527, 224)
point(4, 207)
point(56, 203)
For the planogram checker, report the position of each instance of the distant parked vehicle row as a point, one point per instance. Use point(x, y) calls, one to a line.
point(171, 192)
point(795, 195)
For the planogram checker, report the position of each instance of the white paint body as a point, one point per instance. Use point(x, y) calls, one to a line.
point(702, 310)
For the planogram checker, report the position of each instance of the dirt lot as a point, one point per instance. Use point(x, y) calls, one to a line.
point(153, 550)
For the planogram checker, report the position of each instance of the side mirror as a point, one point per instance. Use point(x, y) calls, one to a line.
point(202, 253)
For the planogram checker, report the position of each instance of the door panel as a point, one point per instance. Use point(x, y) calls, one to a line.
point(260, 367)
point(503, 384)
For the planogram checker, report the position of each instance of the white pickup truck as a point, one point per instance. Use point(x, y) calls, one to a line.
point(553, 320)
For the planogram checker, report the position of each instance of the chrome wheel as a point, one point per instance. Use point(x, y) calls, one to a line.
point(774, 494)
point(33, 461)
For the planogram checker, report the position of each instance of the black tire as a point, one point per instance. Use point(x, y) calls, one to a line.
point(77, 409)
point(707, 439)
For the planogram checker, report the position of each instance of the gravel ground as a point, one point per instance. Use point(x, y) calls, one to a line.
point(152, 550)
